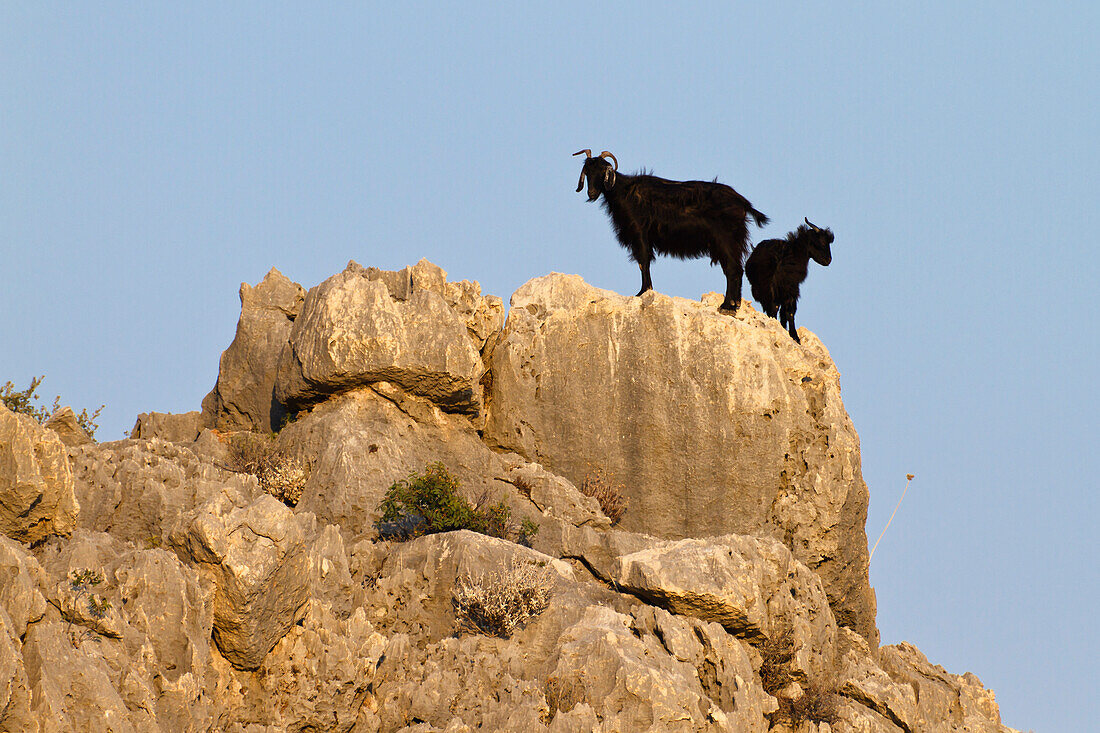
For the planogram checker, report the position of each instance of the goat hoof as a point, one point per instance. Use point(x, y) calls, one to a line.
point(728, 309)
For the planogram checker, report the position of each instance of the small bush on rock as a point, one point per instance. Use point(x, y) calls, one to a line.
point(818, 700)
point(23, 402)
point(280, 474)
point(429, 502)
point(600, 485)
point(503, 600)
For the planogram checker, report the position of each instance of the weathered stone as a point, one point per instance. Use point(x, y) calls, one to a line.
point(242, 397)
point(864, 682)
point(713, 424)
point(15, 690)
point(143, 490)
point(36, 483)
point(483, 314)
point(22, 581)
point(74, 686)
point(751, 586)
point(65, 424)
point(352, 333)
point(942, 701)
point(174, 428)
point(360, 443)
point(255, 553)
point(555, 495)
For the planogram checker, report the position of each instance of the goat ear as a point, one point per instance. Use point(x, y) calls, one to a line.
point(580, 183)
point(609, 178)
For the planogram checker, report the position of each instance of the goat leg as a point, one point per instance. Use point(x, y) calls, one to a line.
point(786, 318)
point(733, 274)
point(645, 256)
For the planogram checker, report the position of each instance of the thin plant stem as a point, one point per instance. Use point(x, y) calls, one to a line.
point(908, 480)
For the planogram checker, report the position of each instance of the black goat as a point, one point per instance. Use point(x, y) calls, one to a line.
point(778, 266)
point(686, 219)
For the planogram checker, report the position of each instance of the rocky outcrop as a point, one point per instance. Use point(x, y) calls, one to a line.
point(186, 598)
point(364, 326)
point(242, 397)
point(65, 423)
point(175, 428)
point(713, 424)
point(36, 483)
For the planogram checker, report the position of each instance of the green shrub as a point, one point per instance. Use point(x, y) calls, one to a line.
point(24, 402)
point(429, 502)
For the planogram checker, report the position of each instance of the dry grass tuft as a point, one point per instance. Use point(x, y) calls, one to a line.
point(818, 702)
point(600, 484)
point(502, 600)
point(280, 474)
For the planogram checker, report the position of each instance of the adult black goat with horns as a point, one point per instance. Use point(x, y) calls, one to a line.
point(685, 219)
point(777, 267)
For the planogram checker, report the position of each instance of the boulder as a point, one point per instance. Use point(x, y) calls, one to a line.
point(174, 428)
point(713, 424)
point(358, 327)
point(36, 483)
point(242, 397)
point(255, 555)
point(68, 428)
point(751, 586)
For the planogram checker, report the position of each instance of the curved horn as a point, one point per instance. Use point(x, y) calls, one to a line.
point(607, 154)
point(811, 224)
point(586, 151)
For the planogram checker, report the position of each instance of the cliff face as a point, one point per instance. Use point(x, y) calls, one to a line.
point(152, 588)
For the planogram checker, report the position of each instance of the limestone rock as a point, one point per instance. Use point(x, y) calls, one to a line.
point(15, 689)
point(242, 397)
point(128, 633)
point(141, 491)
point(360, 443)
point(36, 483)
point(255, 554)
point(22, 581)
point(64, 423)
point(483, 314)
point(943, 701)
point(353, 332)
point(317, 677)
point(174, 428)
point(714, 424)
point(752, 587)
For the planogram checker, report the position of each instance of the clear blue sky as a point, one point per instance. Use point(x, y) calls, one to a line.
point(153, 156)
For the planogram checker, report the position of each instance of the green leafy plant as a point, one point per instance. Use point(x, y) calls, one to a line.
point(25, 403)
point(428, 502)
point(82, 583)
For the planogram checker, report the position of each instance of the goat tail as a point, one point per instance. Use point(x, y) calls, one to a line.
point(759, 218)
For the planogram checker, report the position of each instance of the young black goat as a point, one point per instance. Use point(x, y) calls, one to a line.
point(778, 266)
point(686, 219)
